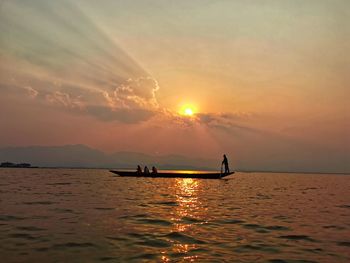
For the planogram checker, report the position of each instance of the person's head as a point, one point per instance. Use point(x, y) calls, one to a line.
point(224, 155)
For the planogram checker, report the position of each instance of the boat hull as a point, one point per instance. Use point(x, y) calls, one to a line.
point(172, 175)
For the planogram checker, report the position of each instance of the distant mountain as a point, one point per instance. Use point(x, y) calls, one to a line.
point(84, 156)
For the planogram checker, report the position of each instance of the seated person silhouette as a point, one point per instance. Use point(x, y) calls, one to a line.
point(154, 170)
point(146, 170)
point(139, 170)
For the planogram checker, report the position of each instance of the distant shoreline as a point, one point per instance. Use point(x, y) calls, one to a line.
point(16, 165)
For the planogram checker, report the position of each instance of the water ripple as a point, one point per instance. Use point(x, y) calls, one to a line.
point(298, 237)
point(182, 238)
point(49, 215)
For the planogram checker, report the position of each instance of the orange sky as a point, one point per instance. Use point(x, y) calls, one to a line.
point(268, 82)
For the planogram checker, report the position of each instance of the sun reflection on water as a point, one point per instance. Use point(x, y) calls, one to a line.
point(185, 215)
point(165, 259)
point(186, 196)
point(187, 186)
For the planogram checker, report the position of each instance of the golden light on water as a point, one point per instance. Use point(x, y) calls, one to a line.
point(187, 199)
point(165, 259)
point(187, 210)
point(187, 190)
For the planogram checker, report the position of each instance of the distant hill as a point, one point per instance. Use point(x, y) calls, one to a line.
point(78, 156)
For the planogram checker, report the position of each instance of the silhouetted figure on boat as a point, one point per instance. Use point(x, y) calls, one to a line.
point(225, 163)
point(139, 170)
point(154, 170)
point(146, 170)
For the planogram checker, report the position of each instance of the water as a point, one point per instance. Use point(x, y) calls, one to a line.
point(62, 215)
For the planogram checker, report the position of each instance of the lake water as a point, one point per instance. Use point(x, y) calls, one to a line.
point(71, 215)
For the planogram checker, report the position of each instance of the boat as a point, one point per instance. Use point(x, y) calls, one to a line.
point(178, 174)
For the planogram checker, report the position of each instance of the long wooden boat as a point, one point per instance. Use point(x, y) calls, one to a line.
point(184, 174)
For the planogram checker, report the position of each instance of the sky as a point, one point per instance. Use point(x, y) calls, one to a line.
point(267, 81)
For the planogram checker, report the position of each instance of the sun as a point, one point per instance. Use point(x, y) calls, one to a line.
point(188, 110)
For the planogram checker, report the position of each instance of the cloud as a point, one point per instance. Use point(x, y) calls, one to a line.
point(128, 103)
point(137, 93)
point(59, 98)
point(62, 59)
point(122, 115)
point(124, 104)
point(227, 121)
point(237, 123)
point(32, 92)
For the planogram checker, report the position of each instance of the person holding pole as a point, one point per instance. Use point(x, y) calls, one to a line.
point(225, 163)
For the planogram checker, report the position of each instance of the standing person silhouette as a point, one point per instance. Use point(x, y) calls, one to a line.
point(225, 163)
